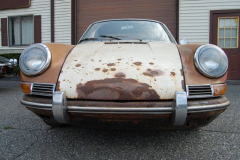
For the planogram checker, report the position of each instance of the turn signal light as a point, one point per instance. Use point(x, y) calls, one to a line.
point(219, 89)
point(26, 87)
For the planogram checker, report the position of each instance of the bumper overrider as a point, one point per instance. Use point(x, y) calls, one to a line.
point(179, 109)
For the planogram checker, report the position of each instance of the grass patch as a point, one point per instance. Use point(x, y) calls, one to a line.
point(7, 127)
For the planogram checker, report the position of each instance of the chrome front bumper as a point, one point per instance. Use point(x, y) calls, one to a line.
point(179, 109)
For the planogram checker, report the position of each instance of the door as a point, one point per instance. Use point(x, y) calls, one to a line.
point(92, 10)
point(225, 34)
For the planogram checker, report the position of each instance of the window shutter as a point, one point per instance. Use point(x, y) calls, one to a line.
point(37, 29)
point(4, 32)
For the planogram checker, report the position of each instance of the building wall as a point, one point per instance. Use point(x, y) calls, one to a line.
point(62, 20)
point(38, 7)
point(89, 11)
point(194, 17)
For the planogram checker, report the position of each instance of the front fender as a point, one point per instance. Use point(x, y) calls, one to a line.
point(192, 76)
point(59, 53)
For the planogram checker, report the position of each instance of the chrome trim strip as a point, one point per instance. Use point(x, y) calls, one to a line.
point(37, 105)
point(163, 110)
point(213, 107)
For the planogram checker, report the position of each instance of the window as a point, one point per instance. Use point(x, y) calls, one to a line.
point(20, 30)
point(129, 30)
point(228, 32)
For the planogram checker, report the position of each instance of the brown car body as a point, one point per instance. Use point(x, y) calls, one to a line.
point(129, 120)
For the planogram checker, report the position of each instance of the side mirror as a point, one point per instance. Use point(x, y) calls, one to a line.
point(183, 41)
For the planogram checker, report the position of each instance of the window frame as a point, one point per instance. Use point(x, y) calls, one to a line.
point(169, 34)
point(8, 25)
point(218, 32)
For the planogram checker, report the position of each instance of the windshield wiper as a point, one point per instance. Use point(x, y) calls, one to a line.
point(131, 37)
point(88, 39)
point(105, 36)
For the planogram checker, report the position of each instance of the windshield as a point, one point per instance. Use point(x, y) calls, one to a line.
point(127, 30)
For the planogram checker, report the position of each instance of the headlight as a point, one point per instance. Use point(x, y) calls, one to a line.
point(35, 59)
point(211, 61)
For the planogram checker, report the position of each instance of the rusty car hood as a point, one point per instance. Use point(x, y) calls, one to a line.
point(122, 71)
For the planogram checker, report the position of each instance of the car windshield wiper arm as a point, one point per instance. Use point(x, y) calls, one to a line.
point(105, 36)
point(88, 39)
point(131, 37)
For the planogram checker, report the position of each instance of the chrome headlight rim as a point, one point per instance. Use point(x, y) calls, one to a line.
point(41, 69)
point(200, 68)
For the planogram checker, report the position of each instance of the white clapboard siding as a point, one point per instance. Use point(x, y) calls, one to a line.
point(62, 20)
point(194, 17)
point(38, 7)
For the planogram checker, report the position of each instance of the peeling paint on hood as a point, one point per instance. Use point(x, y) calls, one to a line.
point(115, 71)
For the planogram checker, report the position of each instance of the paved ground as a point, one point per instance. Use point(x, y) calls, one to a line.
point(24, 136)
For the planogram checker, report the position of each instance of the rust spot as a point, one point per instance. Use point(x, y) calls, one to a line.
point(64, 80)
point(79, 85)
point(183, 85)
point(111, 64)
point(119, 59)
point(113, 69)
point(105, 70)
point(116, 89)
point(172, 74)
point(58, 86)
point(120, 75)
point(153, 73)
point(147, 74)
point(78, 65)
point(151, 63)
point(181, 72)
point(97, 69)
point(138, 63)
